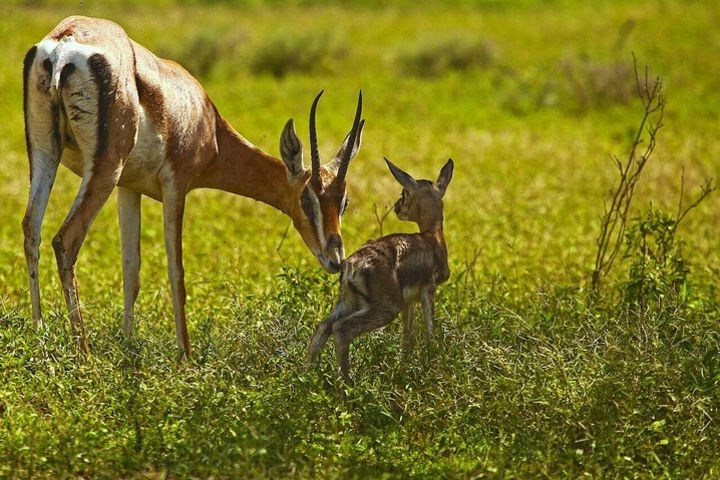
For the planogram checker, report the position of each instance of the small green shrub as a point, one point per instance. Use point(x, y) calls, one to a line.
point(286, 52)
point(438, 56)
point(657, 267)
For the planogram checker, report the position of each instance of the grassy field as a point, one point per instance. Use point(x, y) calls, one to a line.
point(530, 375)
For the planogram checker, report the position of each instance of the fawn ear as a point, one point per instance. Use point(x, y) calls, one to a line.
point(445, 176)
point(402, 177)
point(291, 150)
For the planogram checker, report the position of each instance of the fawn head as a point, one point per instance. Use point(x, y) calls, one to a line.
point(421, 200)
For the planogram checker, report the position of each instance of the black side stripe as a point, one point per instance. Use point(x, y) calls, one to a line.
point(66, 71)
point(27, 65)
point(100, 70)
point(56, 136)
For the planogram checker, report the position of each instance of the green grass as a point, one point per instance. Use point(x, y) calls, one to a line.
point(528, 378)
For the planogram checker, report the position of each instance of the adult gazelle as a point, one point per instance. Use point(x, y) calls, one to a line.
point(118, 116)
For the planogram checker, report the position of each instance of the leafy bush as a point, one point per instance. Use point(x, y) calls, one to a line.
point(658, 268)
point(286, 52)
point(441, 55)
point(657, 265)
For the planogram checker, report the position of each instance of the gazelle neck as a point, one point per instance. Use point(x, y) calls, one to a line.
point(243, 169)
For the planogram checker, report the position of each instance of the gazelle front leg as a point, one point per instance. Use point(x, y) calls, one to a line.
point(173, 211)
point(129, 219)
point(428, 306)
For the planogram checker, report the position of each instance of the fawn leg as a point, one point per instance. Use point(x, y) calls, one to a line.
point(428, 306)
point(346, 329)
point(323, 332)
point(408, 324)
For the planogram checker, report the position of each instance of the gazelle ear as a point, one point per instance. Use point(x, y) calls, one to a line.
point(291, 150)
point(445, 176)
point(335, 163)
point(402, 177)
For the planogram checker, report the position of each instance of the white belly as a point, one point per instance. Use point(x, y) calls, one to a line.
point(147, 156)
point(142, 165)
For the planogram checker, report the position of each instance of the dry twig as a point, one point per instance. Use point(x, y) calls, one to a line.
point(380, 218)
point(614, 222)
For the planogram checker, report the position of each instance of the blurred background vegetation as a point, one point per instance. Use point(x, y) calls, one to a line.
point(534, 378)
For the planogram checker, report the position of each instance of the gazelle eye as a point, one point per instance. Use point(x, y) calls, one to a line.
point(306, 202)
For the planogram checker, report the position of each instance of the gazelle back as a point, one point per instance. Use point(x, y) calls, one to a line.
point(390, 275)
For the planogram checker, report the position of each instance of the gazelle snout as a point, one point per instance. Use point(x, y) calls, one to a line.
point(333, 254)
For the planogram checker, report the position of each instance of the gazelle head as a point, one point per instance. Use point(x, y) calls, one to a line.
point(421, 200)
point(319, 195)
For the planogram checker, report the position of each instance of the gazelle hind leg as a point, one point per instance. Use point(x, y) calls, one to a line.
point(129, 220)
point(173, 211)
point(44, 168)
point(44, 151)
point(96, 187)
point(103, 120)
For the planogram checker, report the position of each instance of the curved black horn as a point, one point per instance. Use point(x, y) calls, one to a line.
point(314, 154)
point(345, 160)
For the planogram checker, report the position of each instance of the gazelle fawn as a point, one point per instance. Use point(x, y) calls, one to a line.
point(390, 275)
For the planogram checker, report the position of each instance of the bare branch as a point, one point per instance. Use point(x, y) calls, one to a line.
point(380, 218)
point(613, 223)
point(682, 193)
point(282, 240)
point(706, 189)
